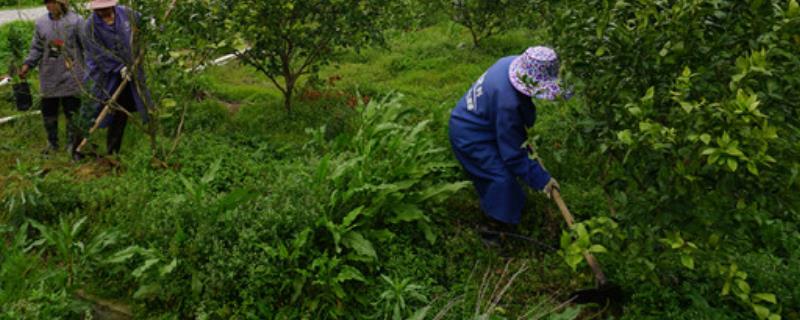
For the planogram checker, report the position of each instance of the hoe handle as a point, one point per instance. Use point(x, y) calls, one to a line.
point(590, 259)
point(103, 113)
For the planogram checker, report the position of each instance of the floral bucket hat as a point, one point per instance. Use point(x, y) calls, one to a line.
point(535, 74)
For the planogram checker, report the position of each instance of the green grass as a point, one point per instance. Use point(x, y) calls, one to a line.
point(241, 121)
point(237, 120)
point(19, 4)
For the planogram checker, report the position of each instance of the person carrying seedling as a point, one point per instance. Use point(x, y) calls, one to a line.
point(111, 58)
point(56, 50)
point(488, 136)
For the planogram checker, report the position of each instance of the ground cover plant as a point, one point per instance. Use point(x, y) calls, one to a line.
point(18, 3)
point(678, 155)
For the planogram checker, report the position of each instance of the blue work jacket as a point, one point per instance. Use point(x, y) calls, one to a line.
point(488, 131)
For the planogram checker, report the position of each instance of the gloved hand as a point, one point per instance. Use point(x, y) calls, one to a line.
point(550, 186)
point(124, 73)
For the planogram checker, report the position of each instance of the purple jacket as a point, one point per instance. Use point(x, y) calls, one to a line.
point(107, 51)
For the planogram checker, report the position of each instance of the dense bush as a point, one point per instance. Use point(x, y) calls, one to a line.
point(689, 117)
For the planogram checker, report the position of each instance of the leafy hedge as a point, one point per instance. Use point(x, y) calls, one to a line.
point(689, 119)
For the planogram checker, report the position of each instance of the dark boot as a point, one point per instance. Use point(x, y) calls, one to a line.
point(51, 127)
point(73, 140)
point(74, 136)
point(494, 233)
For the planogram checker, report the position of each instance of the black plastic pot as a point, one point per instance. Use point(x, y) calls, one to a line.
point(22, 96)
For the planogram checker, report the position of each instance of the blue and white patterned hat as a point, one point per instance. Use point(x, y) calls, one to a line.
point(535, 73)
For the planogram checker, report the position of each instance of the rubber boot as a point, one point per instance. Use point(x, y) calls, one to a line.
point(73, 140)
point(51, 127)
point(493, 233)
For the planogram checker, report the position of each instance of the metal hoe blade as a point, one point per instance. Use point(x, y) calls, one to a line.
point(607, 294)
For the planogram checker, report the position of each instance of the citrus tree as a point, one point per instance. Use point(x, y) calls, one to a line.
point(289, 39)
point(485, 18)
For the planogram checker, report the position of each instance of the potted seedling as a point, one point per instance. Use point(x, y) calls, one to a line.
point(22, 90)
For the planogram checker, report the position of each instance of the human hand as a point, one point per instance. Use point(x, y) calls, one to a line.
point(550, 187)
point(124, 73)
point(23, 71)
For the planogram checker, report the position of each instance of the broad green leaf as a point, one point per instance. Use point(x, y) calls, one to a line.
point(382, 235)
point(743, 286)
point(167, 269)
point(440, 192)
point(713, 158)
point(124, 254)
point(706, 138)
point(625, 137)
point(708, 151)
point(141, 269)
point(351, 216)
point(752, 168)
point(596, 248)
point(687, 106)
point(428, 231)
point(420, 314)
point(168, 103)
point(147, 291)
point(733, 165)
point(350, 273)
point(600, 52)
point(569, 313)
point(794, 9)
point(211, 174)
point(687, 261)
point(356, 241)
point(573, 260)
point(734, 152)
point(566, 240)
point(761, 311)
point(407, 213)
point(76, 228)
point(583, 239)
point(766, 297)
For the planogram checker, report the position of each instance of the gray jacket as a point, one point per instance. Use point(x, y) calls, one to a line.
point(56, 48)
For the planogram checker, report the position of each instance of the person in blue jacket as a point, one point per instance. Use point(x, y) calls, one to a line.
point(111, 55)
point(488, 135)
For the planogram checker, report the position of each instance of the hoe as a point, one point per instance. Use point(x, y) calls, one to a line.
point(606, 293)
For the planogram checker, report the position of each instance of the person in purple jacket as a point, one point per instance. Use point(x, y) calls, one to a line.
point(56, 50)
point(488, 135)
point(110, 53)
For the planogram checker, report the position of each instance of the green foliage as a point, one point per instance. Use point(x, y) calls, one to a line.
point(683, 113)
point(76, 254)
point(22, 191)
point(29, 288)
point(485, 18)
point(18, 3)
point(13, 49)
point(290, 39)
point(578, 241)
point(681, 164)
point(410, 15)
point(392, 301)
point(485, 298)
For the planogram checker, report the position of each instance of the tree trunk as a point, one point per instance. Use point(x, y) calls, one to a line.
point(287, 95)
point(476, 38)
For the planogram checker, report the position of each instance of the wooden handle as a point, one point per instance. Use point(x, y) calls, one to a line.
point(590, 259)
point(103, 113)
